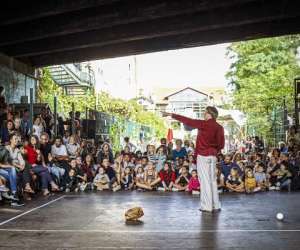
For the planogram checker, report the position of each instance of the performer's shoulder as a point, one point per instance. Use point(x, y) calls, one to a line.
point(219, 125)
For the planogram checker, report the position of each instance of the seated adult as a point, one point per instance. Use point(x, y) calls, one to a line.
point(89, 168)
point(113, 183)
point(60, 157)
point(18, 162)
point(35, 158)
point(45, 146)
point(73, 147)
point(179, 151)
point(6, 131)
point(8, 173)
point(59, 151)
point(227, 165)
point(105, 152)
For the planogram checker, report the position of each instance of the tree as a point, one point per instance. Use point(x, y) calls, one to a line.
point(262, 75)
point(123, 110)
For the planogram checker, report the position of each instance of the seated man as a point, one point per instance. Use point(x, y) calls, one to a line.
point(227, 165)
point(60, 158)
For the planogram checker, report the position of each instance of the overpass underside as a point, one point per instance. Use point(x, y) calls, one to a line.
point(42, 33)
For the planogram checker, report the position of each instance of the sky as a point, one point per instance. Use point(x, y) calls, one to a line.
point(200, 67)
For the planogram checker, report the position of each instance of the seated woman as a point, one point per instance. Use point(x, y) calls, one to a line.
point(113, 183)
point(89, 168)
point(234, 183)
point(73, 147)
point(35, 158)
point(167, 177)
point(194, 184)
point(182, 182)
point(76, 179)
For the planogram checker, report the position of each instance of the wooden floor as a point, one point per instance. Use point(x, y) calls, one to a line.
point(171, 221)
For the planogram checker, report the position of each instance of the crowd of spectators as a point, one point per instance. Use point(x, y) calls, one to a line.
point(33, 161)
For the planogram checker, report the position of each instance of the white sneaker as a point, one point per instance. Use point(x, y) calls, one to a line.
point(5, 195)
point(175, 189)
point(161, 189)
point(195, 192)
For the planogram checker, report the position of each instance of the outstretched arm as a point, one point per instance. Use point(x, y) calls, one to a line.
point(185, 120)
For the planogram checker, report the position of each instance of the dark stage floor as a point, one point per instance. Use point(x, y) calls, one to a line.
point(171, 221)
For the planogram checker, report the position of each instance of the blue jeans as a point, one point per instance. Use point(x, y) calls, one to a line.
point(10, 175)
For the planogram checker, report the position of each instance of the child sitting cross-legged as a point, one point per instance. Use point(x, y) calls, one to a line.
point(194, 184)
point(127, 179)
point(101, 180)
point(234, 183)
point(182, 182)
point(250, 182)
point(167, 177)
point(284, 177)
point(260, 177)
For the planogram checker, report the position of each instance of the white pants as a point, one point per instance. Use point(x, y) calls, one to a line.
point(209, 196)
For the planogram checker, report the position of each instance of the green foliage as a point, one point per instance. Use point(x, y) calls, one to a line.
point(262, 75)
point(123, 110)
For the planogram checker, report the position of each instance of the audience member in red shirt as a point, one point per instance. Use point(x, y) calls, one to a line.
point(167, 177)
point(35, 158)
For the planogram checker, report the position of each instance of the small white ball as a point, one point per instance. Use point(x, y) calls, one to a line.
point(279, 216)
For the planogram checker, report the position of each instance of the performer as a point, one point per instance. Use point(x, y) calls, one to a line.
point(210, 141)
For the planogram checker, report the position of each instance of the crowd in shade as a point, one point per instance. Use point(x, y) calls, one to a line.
point(34, 162)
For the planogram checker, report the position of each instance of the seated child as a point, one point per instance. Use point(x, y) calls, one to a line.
point(140, 179)
point(260, 177)
point(150, 178)
point(167, 177)
point(194, 184)
point(220, 179)
point(234, 183)
point(127, 179)
point(101, 180)
point(250, 182)
point(76, 179)
point(182, 182)
point(284, 177)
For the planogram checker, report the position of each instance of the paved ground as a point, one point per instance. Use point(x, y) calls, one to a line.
point(171, 221)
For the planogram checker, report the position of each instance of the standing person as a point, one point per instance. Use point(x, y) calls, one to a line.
point(210, 141)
